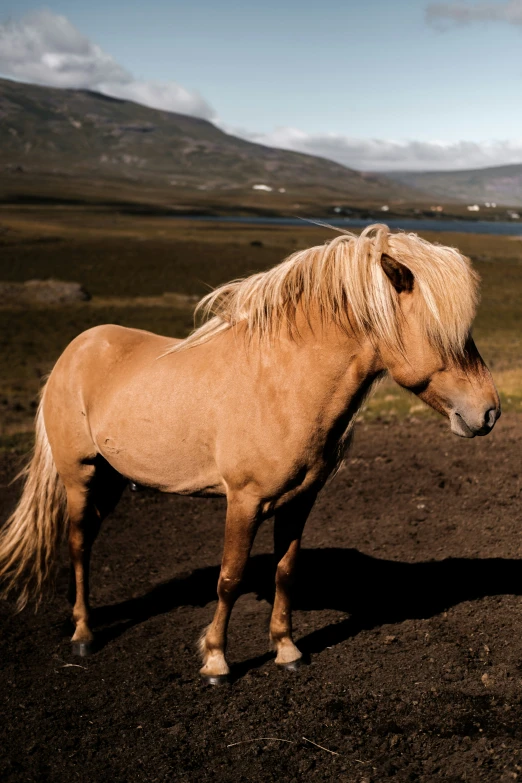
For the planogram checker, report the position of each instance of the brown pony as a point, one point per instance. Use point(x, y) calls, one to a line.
point(257, 405)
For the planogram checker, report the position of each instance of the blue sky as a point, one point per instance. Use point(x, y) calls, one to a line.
point(434, 84)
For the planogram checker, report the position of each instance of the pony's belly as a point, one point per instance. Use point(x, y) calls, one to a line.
point(190, 472)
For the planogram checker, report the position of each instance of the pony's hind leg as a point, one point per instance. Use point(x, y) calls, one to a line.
point(84, 525)
point(240, 529)
point(88, 501)
point(288, 529)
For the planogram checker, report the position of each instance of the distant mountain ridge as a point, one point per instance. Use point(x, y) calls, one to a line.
point(86, 134)
point(501, 184)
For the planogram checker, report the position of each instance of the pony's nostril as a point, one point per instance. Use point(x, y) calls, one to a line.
point(490, 417)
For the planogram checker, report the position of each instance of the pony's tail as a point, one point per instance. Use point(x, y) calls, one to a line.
point(31, 536)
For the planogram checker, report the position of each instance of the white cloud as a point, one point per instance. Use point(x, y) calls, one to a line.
point(385, 155)
point(169, 96)
point(465, 13)
point(45, 48)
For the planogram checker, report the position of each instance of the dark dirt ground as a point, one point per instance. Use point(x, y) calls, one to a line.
point(408, 607)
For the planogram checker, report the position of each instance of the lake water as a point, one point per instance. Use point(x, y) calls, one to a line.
point(501, 228)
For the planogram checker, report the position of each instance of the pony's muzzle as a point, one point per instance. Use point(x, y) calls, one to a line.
point(464, 426)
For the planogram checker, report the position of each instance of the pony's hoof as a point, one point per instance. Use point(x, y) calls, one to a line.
point(216, 679)
point(292, 666)
point(83, 649)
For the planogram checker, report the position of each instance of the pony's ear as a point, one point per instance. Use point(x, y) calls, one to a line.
point(399, 275)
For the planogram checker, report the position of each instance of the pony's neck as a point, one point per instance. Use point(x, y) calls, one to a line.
point(331, 375)
point(334, 346)
point(335, 369)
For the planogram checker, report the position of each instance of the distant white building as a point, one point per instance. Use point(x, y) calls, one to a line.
point(385, 208)
point(514, 215)
point(473, 208)
point(262, 187)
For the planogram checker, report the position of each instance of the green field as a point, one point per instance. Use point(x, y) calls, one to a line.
point(129, 262)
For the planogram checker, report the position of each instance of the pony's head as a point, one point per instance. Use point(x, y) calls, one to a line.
point(433, 292)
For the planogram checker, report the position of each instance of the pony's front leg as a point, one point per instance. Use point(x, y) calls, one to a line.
point(240, 529)
point(288, 529)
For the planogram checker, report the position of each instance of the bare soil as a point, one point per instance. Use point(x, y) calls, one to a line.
point(408, 608)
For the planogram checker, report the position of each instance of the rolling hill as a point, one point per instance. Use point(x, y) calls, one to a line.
point(501, 184)
point(86, 135)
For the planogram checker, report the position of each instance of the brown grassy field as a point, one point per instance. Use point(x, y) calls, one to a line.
point(148, 271)
point(408, 606)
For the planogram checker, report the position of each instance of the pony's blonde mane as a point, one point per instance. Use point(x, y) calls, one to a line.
point(344, 282)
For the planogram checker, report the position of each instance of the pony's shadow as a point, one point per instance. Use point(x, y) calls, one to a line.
point(371, 591)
